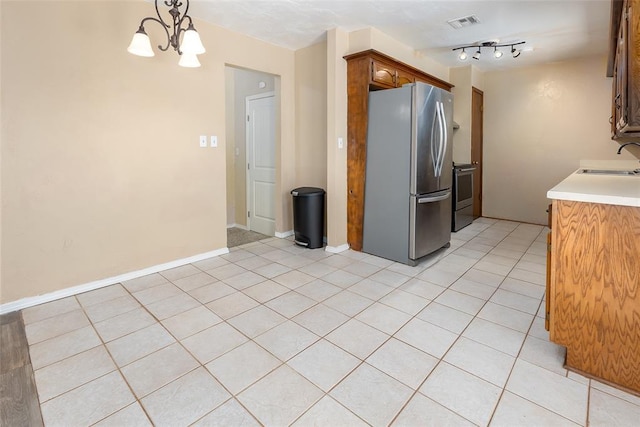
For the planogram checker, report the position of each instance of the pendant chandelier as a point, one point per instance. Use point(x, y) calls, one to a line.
point(497, 53)
point(188, 48)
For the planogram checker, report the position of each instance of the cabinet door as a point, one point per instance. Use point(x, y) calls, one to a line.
point(626, 89)
point(620, 98)
point(383, 74)
point(402, 78)
point(632, 98)
point(616, 106)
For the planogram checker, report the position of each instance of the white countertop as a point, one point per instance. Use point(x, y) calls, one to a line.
point(609, 189)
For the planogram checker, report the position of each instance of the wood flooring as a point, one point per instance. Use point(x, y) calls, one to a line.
point(19, 405)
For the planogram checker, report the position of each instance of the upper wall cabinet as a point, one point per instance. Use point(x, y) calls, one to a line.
point(625, 57)
point(386, 76)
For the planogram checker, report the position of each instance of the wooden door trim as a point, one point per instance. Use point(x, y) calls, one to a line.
point(478, 139)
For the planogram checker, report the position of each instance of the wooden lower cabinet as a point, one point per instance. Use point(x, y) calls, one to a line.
point(595, 289)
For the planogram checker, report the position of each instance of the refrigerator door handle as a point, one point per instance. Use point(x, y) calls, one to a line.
point(435, 151)
point(442, 142)
point(438, 151)
point(439, 156)
point(445, 134)
point(432, 199)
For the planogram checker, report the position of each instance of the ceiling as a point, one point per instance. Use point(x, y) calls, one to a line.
point(554, 30)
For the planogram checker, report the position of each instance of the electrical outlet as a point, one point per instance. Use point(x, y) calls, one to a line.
point(203, 140)
point(214, 141)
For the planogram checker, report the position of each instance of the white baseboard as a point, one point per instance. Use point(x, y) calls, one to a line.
point(337, 249)
point(284, 235)
point(74, 290)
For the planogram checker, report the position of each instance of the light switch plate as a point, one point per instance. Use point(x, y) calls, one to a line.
point(340, 143)
point(214, 141)
point(203, 140)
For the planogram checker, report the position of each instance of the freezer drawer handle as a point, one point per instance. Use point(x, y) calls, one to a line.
point(445, 196)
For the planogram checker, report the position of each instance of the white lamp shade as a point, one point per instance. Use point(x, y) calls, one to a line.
point(189, 60)
point(140, 45)
point(463, 56)
point(191, 43)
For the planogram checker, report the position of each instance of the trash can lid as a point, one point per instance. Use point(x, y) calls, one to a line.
point(307, 191)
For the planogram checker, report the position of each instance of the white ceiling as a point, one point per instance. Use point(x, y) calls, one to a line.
point(554, 29)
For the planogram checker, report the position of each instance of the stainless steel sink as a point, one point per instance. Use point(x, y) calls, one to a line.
point(609, 172)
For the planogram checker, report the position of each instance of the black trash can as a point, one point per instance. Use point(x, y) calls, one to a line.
point(308, 216)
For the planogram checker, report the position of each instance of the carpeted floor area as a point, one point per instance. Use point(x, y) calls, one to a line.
point(238, 236)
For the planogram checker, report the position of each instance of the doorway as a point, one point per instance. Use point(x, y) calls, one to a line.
point(243, 84)
point(261, 163)
point(477, 106)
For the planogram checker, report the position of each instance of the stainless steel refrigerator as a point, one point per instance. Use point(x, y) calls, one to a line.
point(407, 206)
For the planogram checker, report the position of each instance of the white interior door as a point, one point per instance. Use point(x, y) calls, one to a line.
point(261, 163)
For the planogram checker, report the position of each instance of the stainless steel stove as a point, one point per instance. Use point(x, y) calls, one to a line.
point(462, 212)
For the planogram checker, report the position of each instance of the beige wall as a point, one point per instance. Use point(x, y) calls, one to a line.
point(461, 78)
point(230, 141)
point(372, 38)
point(311, 110)
point(539, 123)
point(244, 83)
point(336, 70)
point(101, 169)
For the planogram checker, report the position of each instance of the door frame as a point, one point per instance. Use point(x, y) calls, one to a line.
point(477, 135)
point(248, 171)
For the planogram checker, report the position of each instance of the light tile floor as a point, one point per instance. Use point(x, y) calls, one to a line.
point(277, 335)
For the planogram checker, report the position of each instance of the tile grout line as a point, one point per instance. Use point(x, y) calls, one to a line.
point(441, 359)
point(350, 317)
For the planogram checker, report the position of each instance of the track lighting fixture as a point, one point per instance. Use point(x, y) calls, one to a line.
point(188, 48)
point(497, 53)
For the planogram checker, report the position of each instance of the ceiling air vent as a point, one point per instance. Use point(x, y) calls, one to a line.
point(465, 21)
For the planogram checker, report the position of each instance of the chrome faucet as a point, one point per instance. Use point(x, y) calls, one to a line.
point(627, 143)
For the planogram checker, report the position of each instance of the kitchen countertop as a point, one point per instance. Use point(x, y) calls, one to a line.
point(608, 189)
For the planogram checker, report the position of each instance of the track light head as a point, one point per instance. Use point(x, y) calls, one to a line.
point(463, 55)
point(515, 52)
point(476, 55)
point(497, 53)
